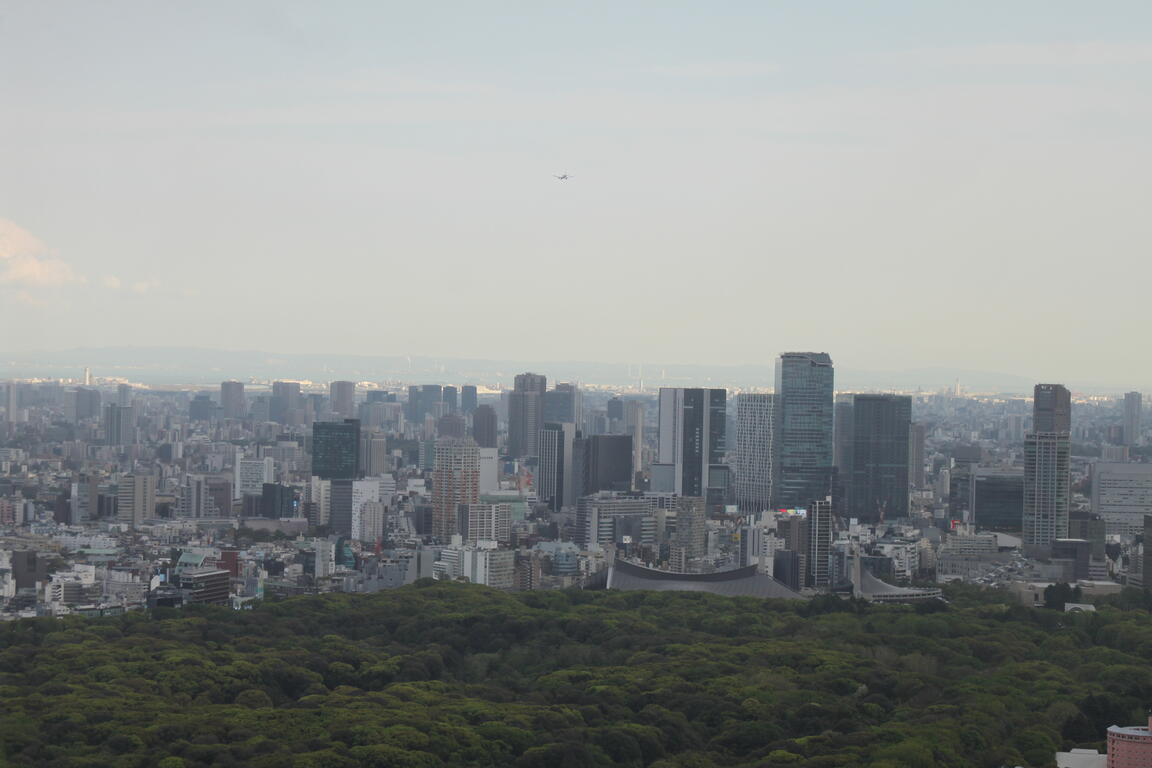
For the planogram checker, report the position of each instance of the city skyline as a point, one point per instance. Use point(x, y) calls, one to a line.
point(654, 384)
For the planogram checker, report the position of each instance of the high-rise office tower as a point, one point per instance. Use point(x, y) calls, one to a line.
point(615, 410)
point(691, 442)
point(755, 416)
point(119, 425)
point(792, 528)
point(1122, 495)
point(412, 409)
point(346, 504)
point(285, 404)
point(879, 481)
point(603, 463)
point(484, 427)
point(917, 437)
point(84, 503)
point(563, 404)
point(450, 425)
point(375, 459)
point(124, 395)
point(202, 408)
point(342, 398)
point(525, 414)
point(468, 398)
point(336, 449)
point(431, 397)
point(136, 499)
point(820, 521)
point(449, 396)
point(11, 402)
point(87, 404)
point(1133, 411)
point(1051, 408)
point(232, 402)
point(555, 479)
point(842, 448)
point(205, 496)
point(1047, 469)
point(634, 426)
point(455, 481)
point(803, 434)
point(277, 501)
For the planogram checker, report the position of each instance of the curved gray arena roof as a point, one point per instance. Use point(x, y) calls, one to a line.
point(870, 585)
point(741, 582)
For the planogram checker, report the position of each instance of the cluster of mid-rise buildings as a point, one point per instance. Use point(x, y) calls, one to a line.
point(114, 496)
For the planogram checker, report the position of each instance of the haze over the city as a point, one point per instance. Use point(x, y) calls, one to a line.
point(904, 184)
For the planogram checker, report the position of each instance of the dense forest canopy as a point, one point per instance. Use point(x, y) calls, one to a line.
point(442, 674)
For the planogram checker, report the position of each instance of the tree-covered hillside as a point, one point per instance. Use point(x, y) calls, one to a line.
point(451, 674)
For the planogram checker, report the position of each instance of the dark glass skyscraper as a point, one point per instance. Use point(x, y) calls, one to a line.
point(449, 395)
point(605, 463)
point(484, 426)
point(879, 480)
point(693, 423)
point(525, 414)
point(561, 405)
point(803, 435)
point(468, 398)
point(336, 449)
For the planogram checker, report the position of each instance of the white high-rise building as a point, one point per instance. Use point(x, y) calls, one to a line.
point(755, 417)
point(1122, 495)
point(251, 474)
point(1047, 489)
point(320, 499)
point(491, 522)
point(489, 470)
point(387, 488)
point(368, 521)
point(348, 500)
point(491, 567)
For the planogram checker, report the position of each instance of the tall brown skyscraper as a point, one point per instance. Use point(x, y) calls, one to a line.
point(455, 481)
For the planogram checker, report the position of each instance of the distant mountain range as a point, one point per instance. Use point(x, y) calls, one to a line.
point(173, 366)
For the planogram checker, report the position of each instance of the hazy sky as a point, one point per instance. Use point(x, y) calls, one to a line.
point(901, 184)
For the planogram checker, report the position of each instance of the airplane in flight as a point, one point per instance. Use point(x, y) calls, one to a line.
point(563, 176)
